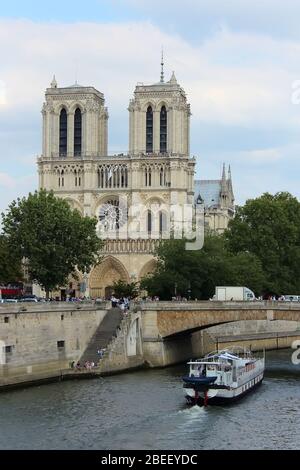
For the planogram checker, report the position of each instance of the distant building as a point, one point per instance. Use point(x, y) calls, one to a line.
point(218, 199)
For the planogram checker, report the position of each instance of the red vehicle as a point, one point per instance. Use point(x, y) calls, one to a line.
point(12, 290)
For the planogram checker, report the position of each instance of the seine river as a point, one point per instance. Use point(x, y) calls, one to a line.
point(146, 410)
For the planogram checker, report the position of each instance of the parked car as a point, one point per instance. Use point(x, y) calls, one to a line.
point(29, 299)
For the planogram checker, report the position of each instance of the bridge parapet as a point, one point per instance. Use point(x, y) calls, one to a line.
point(215, 305)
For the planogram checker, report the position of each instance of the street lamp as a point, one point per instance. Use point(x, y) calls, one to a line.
point(189, 291)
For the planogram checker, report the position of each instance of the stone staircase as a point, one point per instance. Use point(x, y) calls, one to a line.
point(104, 334)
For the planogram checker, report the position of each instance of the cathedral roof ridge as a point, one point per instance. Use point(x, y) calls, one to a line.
point(77, 85)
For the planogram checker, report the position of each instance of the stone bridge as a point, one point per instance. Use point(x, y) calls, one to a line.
point(166, 328)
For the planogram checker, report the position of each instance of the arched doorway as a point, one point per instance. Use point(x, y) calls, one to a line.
point(109, 290)
point(148, 268)
point(104, 275)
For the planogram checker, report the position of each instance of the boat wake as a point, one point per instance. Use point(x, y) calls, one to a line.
point(194, 410)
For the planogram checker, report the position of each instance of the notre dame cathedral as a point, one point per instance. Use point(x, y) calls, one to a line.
point(157, 172)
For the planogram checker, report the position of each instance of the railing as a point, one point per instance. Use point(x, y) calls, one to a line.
point(118, 155)
point(130, 246)
point(216, 305)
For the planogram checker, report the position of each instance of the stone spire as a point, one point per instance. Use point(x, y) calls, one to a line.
point(224, 187)
point(173, 80)
point(162, 67)
point(224, 173)
point(54, 82)
point(230, 182)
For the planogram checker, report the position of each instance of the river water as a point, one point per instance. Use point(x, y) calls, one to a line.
point(146, 410)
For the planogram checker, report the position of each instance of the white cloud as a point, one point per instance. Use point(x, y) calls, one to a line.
point(6, 181)
point(2, 93)
point(13, 187)
point(232, 79)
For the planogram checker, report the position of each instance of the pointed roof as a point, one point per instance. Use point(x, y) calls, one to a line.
point(54, 82)
point(224, 173)
point(173, 80)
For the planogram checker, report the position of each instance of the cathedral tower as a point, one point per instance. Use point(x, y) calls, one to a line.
point(132, 195)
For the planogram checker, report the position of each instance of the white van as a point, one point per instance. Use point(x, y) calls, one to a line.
point(291, 298)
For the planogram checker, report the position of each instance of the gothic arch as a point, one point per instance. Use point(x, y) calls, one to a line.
point(146, 106)
point(74, 204)
point(105, 274)
point(148, 268)
point(160, 104)
point(76, 105)
point(62, 106)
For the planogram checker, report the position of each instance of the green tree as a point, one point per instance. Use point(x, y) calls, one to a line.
point(10, 262)
point(182, 272)
point(268, 227)
point(53, 238)
point(123, 289)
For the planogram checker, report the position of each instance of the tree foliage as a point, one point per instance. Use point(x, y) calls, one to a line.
point(268, 227)
point(10, 262)
point(53, 238)
point(123, 289)
point(197, 273)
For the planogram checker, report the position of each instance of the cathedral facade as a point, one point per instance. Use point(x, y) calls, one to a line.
point(132, 194)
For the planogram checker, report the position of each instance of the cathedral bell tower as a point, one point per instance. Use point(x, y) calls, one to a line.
point(159, 118)
point(159, 141)
point(74, 122)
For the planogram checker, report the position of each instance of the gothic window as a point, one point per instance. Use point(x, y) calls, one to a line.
point(163, 130)
point(62, 178)
point(148, 176)
point(63, 133)
point(162, 176)
point(112, 215)
point(79, 181)
point(149, 222)
point(149, 130)
point(162, 223)
point(99, 178)
point(77, 133)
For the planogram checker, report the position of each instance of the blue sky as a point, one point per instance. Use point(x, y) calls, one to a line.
point(238, 61)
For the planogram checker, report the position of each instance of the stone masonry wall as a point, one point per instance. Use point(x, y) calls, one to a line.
point(44, 339)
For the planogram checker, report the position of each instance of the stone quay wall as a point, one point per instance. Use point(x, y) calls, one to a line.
point(39, 341)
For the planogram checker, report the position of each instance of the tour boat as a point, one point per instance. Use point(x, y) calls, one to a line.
point(223, 377)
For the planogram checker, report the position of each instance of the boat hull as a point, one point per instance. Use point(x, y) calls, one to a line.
point(221, 398)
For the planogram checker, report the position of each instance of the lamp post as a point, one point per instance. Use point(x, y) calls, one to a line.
point(189, 291)
point(85, 286)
